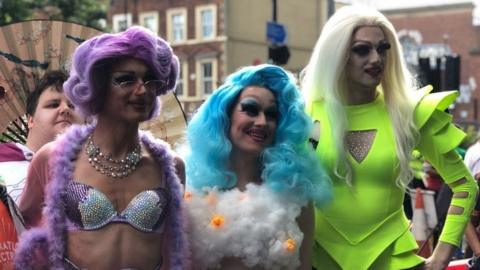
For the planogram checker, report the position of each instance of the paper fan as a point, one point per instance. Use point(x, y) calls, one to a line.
point(28, 49)
point(171, 123)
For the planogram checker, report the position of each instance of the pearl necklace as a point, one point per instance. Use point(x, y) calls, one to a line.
point(108, 166)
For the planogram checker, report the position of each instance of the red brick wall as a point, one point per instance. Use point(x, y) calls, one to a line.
point(186, 52)
point(455, 23)
point(137, 6)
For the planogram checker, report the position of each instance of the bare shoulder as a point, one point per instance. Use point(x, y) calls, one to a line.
point(306, 218)
point(307, 210)
point(153, 164)
point(180, 168)
point(178, 162)
point(44, 152)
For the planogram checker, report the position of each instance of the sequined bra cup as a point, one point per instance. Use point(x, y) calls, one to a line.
point(89, 209)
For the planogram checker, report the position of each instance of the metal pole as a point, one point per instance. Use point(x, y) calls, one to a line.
point(274, 19)
point(274, 10)
point(135, 12)
point(475, 109)
point(331, 8)
point(125, 9)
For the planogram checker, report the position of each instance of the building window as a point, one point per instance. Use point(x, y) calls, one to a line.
point(180, 87)
point(206, 74)
point(182, 83)
point(206, 77)
point(121, 22)
point(149, 20)
point(178, 21)
point(206, 22)
point(177, 25)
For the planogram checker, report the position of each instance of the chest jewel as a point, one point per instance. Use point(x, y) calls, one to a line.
point(359, 143)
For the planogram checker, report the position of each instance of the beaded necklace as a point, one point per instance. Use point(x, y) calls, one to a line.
point(106, 165)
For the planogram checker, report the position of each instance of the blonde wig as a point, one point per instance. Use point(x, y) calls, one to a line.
point(324, 79)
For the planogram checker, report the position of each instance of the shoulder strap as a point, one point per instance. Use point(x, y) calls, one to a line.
point(17, 218)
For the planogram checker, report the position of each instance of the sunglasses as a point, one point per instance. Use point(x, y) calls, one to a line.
point(363, 50)
point(130, 81)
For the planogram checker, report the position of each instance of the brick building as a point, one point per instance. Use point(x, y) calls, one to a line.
point(444, 28)
point(213, 38)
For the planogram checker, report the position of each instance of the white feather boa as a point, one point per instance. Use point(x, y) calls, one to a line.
point(257, 226)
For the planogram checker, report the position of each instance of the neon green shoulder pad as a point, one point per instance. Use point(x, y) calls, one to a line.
point(427, 103)
point(434, 123)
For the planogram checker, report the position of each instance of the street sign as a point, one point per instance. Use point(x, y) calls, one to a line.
point(276, 33)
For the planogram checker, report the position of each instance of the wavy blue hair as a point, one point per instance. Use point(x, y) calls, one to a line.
point(289, 165)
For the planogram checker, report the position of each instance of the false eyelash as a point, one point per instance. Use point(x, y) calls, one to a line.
point(250, 106)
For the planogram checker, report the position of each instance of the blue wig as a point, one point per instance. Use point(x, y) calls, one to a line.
point(289, 165)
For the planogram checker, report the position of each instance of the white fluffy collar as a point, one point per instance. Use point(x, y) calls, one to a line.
point(257, 226)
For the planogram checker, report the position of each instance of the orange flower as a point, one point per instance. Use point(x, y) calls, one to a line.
point(290, 244)
point(187, 195)
point(217, 221)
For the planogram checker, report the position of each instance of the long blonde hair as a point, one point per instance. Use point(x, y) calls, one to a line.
point(324, 79)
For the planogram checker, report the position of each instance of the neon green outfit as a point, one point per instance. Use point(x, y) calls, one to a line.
point(365, 226)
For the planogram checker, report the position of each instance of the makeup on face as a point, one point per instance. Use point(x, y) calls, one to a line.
point(133, 90)
point(252, 108)
point(367, 59)
point(365, 48)
point(253, 121)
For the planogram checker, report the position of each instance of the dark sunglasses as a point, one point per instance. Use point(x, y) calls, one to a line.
point(365, 49)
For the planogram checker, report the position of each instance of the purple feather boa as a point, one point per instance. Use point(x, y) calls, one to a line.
point(66, 149)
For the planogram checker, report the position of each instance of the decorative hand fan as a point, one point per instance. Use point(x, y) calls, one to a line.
point(28, 49)
point(171, 123)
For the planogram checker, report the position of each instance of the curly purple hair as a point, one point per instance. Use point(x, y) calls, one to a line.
point(92, 60)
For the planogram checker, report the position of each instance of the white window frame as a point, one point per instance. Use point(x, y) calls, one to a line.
point(200, 91)
point(199, 33)
point(183, 80)
point(170, 35)
point(151, 14)
point(118, 18)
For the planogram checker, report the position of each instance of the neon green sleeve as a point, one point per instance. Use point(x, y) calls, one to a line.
point(466, 192)
point(438, 139)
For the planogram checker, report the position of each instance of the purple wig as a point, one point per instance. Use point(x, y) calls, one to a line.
point(86, 86)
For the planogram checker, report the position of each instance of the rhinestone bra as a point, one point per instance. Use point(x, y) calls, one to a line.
point(89, 209)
